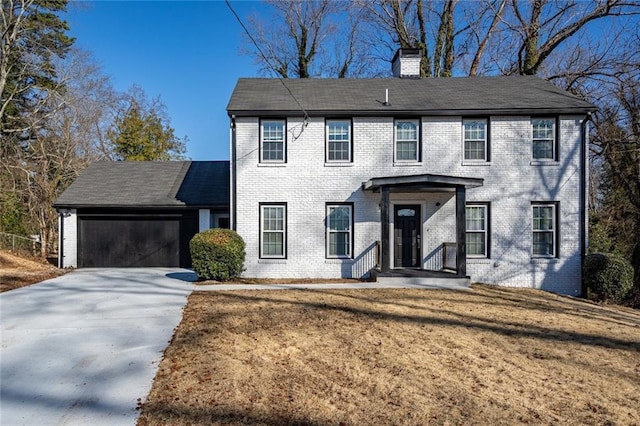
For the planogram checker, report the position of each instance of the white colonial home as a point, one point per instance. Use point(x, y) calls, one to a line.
point(482, 179)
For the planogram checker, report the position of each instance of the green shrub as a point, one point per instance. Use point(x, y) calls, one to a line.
point(608, 277)
point(217, 254)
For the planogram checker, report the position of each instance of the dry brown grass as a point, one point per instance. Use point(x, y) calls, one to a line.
point(16, 271)
point(365, 357)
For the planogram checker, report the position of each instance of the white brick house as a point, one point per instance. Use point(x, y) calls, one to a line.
point(336, 178)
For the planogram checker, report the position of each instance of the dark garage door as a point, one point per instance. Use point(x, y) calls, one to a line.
point(135, 240)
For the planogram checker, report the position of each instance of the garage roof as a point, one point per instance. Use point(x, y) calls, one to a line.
point(149, 184)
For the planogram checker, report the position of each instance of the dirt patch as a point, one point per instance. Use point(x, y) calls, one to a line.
point(17, 271)
point(350, 357)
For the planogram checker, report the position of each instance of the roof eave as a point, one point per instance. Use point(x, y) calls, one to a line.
point(412, 112)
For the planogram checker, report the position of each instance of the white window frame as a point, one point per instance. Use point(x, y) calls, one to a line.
point(485, 230)
point(553, 231)
point(554, 141)
point(330, 232)
point(328, 141)
point(396, 140)
point(264, 231)
point(283, 141)
point(485, 140)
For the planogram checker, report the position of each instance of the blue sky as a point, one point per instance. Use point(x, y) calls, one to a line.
point(186, 52)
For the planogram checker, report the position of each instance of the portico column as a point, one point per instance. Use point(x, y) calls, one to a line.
point(461, 232)
point(384, 226)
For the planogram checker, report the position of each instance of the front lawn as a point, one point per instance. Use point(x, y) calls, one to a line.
point(357, 357)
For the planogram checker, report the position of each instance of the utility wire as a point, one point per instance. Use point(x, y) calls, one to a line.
point(266, 60)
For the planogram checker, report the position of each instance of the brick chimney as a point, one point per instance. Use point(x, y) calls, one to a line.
point(406, 63)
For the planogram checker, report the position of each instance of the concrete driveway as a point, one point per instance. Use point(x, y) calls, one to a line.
point(81, 349)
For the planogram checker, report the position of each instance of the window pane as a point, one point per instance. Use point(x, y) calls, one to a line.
point(338, 151)
point(475, 218)
point(406, 130)
point(272, 131)
point(339, 244)
point(272, 244)
point(339, 218)
point(474, 150)
point(543, 148)
point(542, 218)
point(475, 244)
point(474, 129)
point(338, 130)
point(273, 219)
point(407, 151)
point(543, 243)
point(542, 128)
point(273, 140)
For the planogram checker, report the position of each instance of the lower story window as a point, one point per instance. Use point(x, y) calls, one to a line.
point(477, 223)
point(273, 230)
point(339, 230)
point(544, 227)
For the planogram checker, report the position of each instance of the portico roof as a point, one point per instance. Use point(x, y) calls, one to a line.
point(421, 182)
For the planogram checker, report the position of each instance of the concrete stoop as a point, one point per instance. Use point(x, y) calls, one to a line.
point(421, 278)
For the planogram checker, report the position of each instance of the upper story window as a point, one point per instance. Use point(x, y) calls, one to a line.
point(543, 138)
point(339, 230)
point(338, 147)
point(273, 141)
point(545, 228)
point(477, 219)
point(407, 142)
point(475, 140)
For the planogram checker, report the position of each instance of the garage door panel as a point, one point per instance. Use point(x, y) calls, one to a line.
point(129, 241)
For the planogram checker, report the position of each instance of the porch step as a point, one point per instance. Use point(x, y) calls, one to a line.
point(422, 279)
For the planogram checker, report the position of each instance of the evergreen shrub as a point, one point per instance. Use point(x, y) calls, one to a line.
point(217, 254)
point(608, 277)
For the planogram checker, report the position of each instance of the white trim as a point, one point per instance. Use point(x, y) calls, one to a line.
point(282, 231)
point(284, 141)
point(553, 231)
point(348, 141)
point(395, 140)
point(485, 141)
point(328, 232)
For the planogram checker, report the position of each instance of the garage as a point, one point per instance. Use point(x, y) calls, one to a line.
point(151, 239)
point(140, 214)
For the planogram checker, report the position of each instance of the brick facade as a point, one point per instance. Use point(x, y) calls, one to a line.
point(512, 182)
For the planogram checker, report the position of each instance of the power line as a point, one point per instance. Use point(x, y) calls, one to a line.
point(266, 60)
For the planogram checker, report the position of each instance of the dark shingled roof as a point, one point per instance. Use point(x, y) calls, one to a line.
point(149, 184)
point(427, 96)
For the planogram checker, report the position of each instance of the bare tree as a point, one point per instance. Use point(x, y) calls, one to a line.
point(305, 38)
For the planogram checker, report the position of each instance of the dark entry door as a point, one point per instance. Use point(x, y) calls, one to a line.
point(407, 221)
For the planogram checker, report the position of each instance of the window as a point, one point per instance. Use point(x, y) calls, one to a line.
point(407, 142)
point(272, 141)
point(543, 138)
point(273, 230)
point(544, 230)
point(477, 230)
point(339, 230)
point(475, 140)
point(338, 141)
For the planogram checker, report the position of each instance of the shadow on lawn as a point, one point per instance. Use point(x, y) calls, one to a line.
point(194, 415)
point(494, 325)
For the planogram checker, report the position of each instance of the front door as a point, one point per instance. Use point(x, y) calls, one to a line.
point(407, 224)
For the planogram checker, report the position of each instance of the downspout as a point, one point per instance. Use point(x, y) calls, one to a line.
point(584, 199)
point(60, 240)
point(232, 167)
